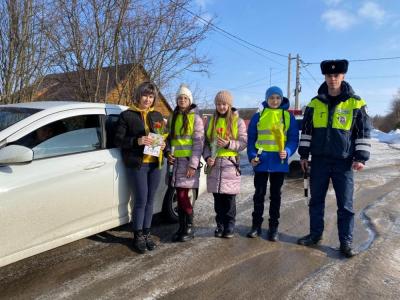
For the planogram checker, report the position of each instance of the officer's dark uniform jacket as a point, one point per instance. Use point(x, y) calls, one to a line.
point(336, 127)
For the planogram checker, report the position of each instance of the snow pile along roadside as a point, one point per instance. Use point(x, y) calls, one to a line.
point(392, 137)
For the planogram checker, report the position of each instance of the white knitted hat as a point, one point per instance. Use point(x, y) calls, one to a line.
point(184, 90)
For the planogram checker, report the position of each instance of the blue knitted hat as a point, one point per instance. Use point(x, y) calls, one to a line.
point(273, 90)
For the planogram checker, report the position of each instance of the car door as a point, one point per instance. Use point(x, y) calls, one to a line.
point(65, 193)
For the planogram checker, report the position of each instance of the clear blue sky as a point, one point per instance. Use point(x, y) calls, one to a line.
point(316, 30)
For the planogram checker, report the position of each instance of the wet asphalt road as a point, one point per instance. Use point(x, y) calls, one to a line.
point(105, 267)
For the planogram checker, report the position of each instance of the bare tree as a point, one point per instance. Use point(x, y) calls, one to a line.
point(162, 36)
point(80, 38)
point(391, 120)
point(23, 48)
point(84, 38)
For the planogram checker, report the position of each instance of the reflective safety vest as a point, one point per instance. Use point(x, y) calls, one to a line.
point(183, 142)
point(265, 139)
point(221, 123)
point(342, 117)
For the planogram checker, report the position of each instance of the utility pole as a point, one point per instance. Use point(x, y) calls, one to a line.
point(298, 87)
point(288, 76)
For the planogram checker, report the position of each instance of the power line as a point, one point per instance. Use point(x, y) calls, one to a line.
point(250, 83)
point(309, 73)
point(359, 60)
point(251, 49)
point(374, 77)
point(226, 33)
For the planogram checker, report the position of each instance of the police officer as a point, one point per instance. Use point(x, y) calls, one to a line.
point(336, 132)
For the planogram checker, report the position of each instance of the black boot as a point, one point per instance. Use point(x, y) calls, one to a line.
point(182, 221)
point(150, 244)
point(139, 242)
point(254, 232)
point(309, 240)
point(347, 250)
point(188, 232)
point(219, 231)
point(228, 233)
point(273, 233)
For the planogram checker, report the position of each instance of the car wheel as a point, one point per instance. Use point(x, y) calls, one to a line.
point(170, 205)
point(295, 170)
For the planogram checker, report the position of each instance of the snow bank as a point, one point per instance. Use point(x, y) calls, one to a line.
point(392, 137)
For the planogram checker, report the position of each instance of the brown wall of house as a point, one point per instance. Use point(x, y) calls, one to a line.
point(122, 94)
point(65, 87)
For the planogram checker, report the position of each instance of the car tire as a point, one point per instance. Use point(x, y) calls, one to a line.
point(295, 170)
point(170, 205)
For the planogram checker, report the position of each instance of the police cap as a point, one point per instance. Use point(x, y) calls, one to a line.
point(337, 66)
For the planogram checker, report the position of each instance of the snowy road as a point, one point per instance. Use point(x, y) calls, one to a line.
point(103, 266)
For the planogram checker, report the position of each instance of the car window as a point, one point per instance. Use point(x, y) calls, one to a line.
point(111, 126)
point(12, 115)
point(67, 136)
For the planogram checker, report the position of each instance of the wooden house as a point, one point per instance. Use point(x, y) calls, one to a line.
point(116, 85)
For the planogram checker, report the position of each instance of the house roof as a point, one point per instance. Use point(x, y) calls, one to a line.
point(66, 86)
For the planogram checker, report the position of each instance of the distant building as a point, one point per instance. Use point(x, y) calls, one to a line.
point(116, 86)
point(244, 113)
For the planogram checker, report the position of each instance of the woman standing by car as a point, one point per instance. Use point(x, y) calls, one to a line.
point(225, 137)
point(185, 146)
point(132, 135)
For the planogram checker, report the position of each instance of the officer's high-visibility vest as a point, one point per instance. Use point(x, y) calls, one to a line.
point(183, 141)
point(342, 117)
point(221, 123)
point(269, 117)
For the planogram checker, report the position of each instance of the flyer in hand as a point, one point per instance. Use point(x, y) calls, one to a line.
point(155, 148)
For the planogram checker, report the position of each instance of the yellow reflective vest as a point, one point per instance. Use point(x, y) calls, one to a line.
point(342, 116)
point(269, 116)
point(183, 141)
point(221, 123)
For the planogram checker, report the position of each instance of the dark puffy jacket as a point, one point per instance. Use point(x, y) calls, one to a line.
point(131, 127)
point(332, 142)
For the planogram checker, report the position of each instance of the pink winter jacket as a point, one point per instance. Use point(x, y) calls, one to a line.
point(181, 164)
point(224, 178)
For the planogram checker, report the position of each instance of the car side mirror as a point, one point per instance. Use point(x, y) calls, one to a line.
point(15, 154)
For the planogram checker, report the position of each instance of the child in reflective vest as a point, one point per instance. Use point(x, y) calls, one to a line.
point(184, 149)
point(226, 137)
point(273, 136)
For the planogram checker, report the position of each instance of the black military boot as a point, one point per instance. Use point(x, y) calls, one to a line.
point(139, 242)
point(347, 250)
point(188, 232)
point(309, 240)
point(150, 244)
point(182, 221)
point(254, 232)
point(273, 233)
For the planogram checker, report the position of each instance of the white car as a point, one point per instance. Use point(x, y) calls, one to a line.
point(295, 158)
point(61, 179)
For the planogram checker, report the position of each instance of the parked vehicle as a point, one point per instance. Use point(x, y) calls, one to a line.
point(294, 160)
point(61, 178)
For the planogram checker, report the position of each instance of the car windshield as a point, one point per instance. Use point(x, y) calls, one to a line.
point(12, 115)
